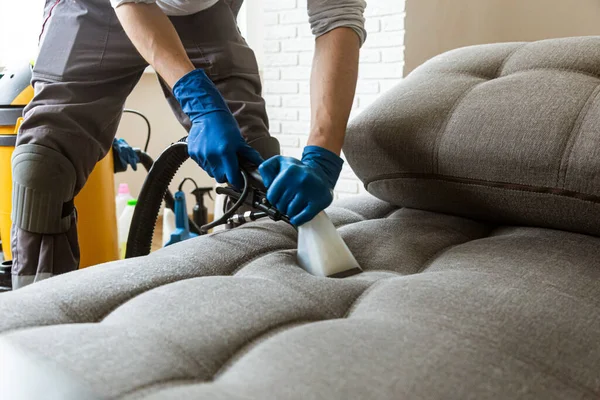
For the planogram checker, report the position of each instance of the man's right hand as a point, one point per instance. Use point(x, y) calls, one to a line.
point(215, 140)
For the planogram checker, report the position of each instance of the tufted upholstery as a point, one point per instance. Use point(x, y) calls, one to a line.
point(505, 132)
point(447, 307)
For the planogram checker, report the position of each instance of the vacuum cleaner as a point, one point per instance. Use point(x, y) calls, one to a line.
point(95, 203)
point(321, 250)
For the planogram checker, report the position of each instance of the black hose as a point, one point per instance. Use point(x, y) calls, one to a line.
point(184, 181)
point(148, 162)
point(149, 128)
point(139, 241)
point(154, 189)
point(229, 213)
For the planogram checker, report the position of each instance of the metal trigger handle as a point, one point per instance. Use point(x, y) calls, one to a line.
point(255, 180)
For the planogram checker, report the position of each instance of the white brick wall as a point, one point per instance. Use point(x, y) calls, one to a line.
point(288, 49)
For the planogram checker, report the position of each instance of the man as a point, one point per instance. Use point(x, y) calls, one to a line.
point(92, 55)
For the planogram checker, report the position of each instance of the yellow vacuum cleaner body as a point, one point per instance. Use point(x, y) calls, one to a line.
point(97, 222)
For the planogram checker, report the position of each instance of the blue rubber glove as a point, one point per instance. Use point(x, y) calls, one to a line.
point(302, 189)
point(123, 155)
point(215, 140)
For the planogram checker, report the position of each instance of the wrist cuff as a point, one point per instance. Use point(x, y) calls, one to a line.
point(329, 163)
point(198, 95)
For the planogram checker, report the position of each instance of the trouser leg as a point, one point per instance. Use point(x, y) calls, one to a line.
point(85, 69)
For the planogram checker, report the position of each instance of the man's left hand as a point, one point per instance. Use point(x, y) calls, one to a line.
point(302, 189)
point(123, 155)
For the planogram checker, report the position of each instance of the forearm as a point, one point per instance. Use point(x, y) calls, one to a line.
point(155, 38)
point(332, 87)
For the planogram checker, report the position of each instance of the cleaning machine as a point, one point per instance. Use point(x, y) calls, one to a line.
point(321, 250)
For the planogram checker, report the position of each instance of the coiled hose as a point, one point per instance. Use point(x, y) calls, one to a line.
point(148, 162)
point(154, 189)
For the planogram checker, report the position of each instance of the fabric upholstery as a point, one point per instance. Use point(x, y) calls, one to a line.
point(469, 289)
point(446, 308)
point(505, 132)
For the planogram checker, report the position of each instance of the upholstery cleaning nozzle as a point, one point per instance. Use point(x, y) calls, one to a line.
point(322, 251)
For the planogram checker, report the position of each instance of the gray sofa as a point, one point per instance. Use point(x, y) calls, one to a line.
point(479, 244)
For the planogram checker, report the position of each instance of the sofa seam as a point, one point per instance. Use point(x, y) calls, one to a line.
point(364, 293)
point(310, 297)
point(559, 69)
point(129, 298)
point(133, 393)
point(495, 75)
point(257, 257)
point(491, 78)
point(589, 198)
point(447, 229)
point(468, 239)
point(508, 57)
point(302, 293)
point(390, 213)
point(146, 290)
point(567, 152)
point(143, 290)
point(442, 131)
point(180, 350)
point(275, 330)
point(458, 72)
point(438, 253)
point(348, 211)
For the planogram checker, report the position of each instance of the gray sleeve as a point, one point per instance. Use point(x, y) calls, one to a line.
point(117, 3)
point(325, 15)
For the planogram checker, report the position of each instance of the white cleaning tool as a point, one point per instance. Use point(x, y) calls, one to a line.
point(322, 251)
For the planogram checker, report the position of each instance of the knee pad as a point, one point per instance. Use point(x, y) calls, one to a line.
point(43, 188)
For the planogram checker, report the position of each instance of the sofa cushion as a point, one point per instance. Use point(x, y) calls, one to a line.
point(446, 308)
point(507, 133)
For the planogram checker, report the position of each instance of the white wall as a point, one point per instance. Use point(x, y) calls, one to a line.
point(20, 23)
point(288, 50)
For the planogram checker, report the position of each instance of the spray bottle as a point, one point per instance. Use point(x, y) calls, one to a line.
point(182, 224)
point(123, 196)
point(200, 212)
point(124, 225)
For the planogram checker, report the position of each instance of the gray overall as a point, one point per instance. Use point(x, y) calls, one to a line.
point(86, 68)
